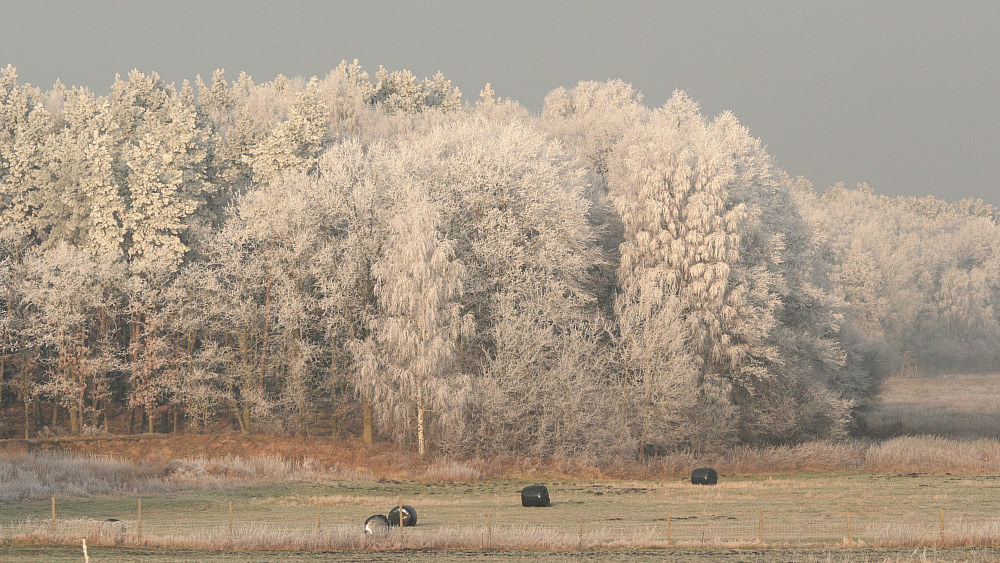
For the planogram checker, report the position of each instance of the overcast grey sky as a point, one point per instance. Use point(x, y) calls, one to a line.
point(902, 95)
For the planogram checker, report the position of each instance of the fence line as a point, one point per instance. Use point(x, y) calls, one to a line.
point(756, 527)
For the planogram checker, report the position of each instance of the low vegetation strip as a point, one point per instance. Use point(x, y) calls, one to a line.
point(136, 466)
point(36, 476)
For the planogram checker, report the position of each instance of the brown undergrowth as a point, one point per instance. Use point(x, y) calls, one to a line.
point(211, 460)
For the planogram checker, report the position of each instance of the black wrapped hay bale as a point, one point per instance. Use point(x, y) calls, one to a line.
point(704, 476)
point(535, 495)
point(376, 524)
point(409, 516)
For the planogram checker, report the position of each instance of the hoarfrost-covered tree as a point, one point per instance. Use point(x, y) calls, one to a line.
point(25, 127)
point(289, 222)
point(591, 120)
point(512, 202)
point(419, 284)
point(234, 277)
point(352, 188)
point(706, 223)
point(400, 92)
point(296, 142)
point(679, 239)
point(70, 304)
point(165, 160)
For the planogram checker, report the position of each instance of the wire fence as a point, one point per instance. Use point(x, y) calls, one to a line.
point(748, 527)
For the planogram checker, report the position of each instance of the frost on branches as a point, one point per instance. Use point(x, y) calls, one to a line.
point(360, 256)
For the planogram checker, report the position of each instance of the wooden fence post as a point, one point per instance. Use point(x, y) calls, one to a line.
point(941, 519)
point(53, 515)
point(230, 517)
point(848, 525)
point(139, 533)
point(760, 526)
point(318, 505)
point(668, 528)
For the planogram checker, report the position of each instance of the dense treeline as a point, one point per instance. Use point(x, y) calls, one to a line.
point(346, 256)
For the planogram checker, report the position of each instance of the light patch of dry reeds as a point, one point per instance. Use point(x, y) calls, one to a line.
point(448, 470)
point(35, 476)
point(930, 454)
point(958, 534)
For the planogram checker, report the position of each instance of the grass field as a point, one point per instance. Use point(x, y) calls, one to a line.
point(931, 495)
point(38, 554)
point(953, 406)
point(789, 510)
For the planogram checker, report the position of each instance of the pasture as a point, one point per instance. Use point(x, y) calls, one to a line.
point(800, 510)
point(953, 406)
point(909, 498)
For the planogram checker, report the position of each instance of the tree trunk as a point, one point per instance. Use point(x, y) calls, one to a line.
point(133, 349)
point(106, 412)
point(3, 368)
point(421, 446)
point(246, 426)
point(29, 405)
point(76, 423)
point(367, 435)
point(27, 419)
point(36, 413)
point(335, 393)
point(267, 331)
point(3, 346)
point(646, 408)
point(74, 419)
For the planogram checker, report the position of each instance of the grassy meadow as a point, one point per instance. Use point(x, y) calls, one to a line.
point(906, 498)
point(954, 406)
point(746, 511)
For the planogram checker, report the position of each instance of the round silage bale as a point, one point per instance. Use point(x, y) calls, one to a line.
point(704, 476)
point(535, 495)
point(376, 524)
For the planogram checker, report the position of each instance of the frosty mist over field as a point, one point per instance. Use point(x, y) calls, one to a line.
point(381, 257)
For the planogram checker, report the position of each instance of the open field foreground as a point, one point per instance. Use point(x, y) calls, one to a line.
point(36, 554)
point(802, 510)
point(907, 498)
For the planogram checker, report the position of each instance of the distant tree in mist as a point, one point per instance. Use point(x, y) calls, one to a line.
point(917, 274)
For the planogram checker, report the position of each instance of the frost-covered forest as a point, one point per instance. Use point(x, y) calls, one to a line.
point(377, 257)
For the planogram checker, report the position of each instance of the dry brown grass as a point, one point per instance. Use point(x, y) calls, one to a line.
point(261, 537)
point(33, 476)
point(40, 475)
point(268, 537)
point(448, 470)
point(961, 534)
